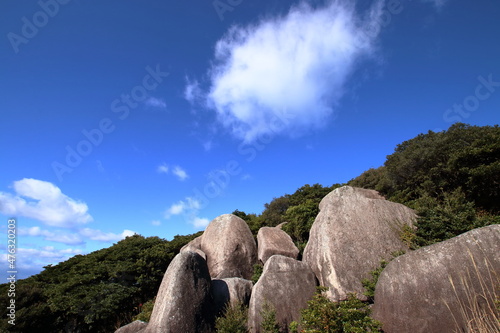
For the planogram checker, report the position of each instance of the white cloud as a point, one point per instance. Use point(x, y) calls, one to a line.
point(189, 208)
point(32, 261)
point(180, 173)
point(192, 93)
point(58, 237)
point(200, 222)
point(299, 63)
point(156, 103)
point(177, 171)
point(163, 168)
point(48, 204)
point(187, 205)
point(156, 223)
point(176, 209)
point(98, 235)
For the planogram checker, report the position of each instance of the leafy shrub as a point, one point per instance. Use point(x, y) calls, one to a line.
point(146, 311)
point(323, 315)
point(234, 319)
point(369, 284)
point(257, 272)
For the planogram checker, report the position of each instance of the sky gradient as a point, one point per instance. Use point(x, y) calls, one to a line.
point(155, 117)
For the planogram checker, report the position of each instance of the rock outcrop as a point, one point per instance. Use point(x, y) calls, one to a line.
point(194, 246)
point(273, 241)
point(286, 284)
point(184, 302)
point(354, 230)
point(231, 291)
point(133, 327)
point(230, 247)
point(434, 288)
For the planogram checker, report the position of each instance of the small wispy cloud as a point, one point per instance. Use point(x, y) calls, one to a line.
point(98, 235)
point(156, 223)
point(156, 103)
point(180, 173)
point(437, 3)
point(208, 145)
point(192, 93)
point(45, 202)
point(162, 168)
point(246, 177)
point(52, 236)
point(189, 204)
point(176, 170)
point(189, 208)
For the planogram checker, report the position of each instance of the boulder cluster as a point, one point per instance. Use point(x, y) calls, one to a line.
point(420, 291)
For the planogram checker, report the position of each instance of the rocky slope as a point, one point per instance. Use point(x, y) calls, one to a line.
point(420, 291)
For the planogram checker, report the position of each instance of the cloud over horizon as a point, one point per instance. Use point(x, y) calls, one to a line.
point(43, 201)
point(299, 63)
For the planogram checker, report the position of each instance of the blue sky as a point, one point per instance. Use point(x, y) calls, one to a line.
point(154, 117)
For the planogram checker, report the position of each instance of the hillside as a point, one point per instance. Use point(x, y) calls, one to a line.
point(450, 178)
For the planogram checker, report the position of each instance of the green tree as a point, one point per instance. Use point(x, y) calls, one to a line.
point(97, 291)
point(269, 323)
point(300, 219)
point(234, 319)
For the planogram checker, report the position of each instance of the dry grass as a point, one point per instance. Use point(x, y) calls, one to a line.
point(478, 311)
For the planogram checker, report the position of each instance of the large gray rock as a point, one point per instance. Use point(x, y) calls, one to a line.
point(286, 284)
point(230, 247)
point(133, 327)
point(230, 292)
point(273, 241)
point(184, 302)
point(194, 246)
point(354, 230)
point(428, 290)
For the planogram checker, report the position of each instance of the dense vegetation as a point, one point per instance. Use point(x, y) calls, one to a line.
point(298, 210)
point(451, 178)
point(97, 292)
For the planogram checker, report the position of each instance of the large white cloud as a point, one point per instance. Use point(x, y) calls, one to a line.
point(297, 63)
point(43, 201)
